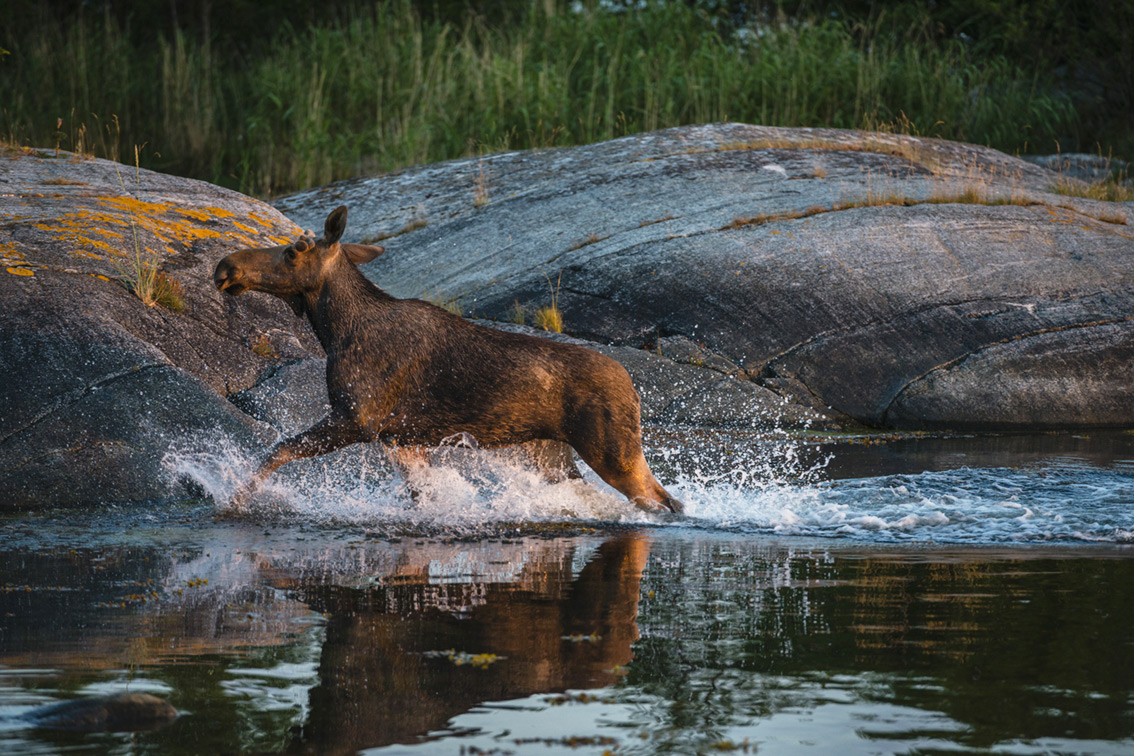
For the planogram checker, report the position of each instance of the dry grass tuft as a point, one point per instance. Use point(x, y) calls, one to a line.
point(908, 148)
point(663, 219)
point(549, 318)
point(153, 286)
point(1113, 190)
point(64, 182)
point(480, 188)
point(517, 314)
point(417, 221)
point(448, 305)
point(588, 240)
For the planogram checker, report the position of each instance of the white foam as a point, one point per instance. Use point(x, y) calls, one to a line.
point(465, 492)
point(759, 488)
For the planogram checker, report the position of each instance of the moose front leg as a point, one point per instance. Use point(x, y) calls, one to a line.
point(326, 436)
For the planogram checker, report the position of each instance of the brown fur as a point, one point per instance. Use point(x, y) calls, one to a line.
point(407, 372)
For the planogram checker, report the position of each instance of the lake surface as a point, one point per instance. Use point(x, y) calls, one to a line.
point(871, 595)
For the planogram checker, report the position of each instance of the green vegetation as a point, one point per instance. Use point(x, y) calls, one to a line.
point(517, 314)
point(267, 107)
point(437, 299)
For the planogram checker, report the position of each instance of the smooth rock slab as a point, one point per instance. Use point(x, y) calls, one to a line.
point(839, 269)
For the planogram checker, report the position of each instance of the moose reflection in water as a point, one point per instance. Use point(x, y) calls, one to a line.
point(543, 632)
point(525, 614)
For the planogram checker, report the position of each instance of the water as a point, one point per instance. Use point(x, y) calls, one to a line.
point(924, 595)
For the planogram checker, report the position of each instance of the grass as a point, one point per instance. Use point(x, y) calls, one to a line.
point(963, 193)
point(549, 317)
point(418, 220)
point(140, 272)
point(480, 187)
point(1112, 190)
point(142, 276)
point(586, 241)
point(384, 87)
point(64, 182)
point(448, 305)
point(663, 219)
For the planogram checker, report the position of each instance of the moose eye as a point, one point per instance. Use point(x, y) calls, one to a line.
point(290, 254)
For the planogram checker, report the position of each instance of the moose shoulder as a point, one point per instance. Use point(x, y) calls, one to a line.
point(407, 372)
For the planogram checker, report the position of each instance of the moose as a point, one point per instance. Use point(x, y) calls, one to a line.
point(413, 376)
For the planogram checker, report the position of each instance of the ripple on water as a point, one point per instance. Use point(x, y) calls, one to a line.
point(1050, 503)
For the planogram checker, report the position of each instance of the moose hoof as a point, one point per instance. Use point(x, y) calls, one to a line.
point(669, 508)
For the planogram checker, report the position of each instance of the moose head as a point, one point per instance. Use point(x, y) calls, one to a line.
point(296, 271)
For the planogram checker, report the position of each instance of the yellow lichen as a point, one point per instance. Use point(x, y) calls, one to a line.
point(197, 215)
point(263, 221)
point(99, 235)
point(21, 271)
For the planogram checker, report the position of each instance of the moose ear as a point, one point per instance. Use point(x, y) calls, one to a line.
point(335, 226)
point(362, 253)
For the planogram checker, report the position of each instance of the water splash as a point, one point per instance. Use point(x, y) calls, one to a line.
point(464, 491)
point(759, 484)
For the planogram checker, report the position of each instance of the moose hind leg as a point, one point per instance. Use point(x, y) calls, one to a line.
point(626, 470)
point(637, 482)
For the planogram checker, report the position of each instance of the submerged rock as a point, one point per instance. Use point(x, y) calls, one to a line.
point(120, 712)
point(896, 281)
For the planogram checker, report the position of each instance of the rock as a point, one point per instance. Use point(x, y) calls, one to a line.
point(98, 385)
point(898, 281)
point(1092, 169)
point(745, 276)
point(119, 712)
point(682, 349)
point(290, 397)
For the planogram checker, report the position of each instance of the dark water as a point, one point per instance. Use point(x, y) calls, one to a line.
point(743, 630)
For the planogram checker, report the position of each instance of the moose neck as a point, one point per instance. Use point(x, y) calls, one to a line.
point(339, 305)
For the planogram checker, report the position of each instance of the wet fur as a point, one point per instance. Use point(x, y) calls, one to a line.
point(408, 372)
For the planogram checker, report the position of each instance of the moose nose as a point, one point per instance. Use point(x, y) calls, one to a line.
point(225, 277)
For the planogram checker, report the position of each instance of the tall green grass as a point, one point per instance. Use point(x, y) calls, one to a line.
point(384, 89)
